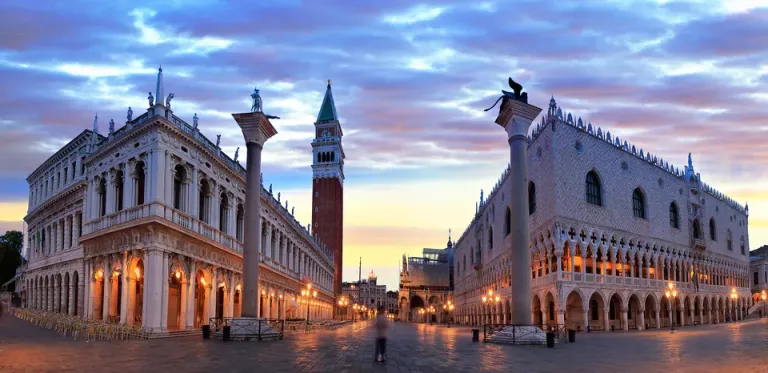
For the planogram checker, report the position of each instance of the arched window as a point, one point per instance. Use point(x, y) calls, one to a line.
point(696, 229)
point(507, 223)
point(531, 198)
point(102, 191)
point(638, 203)
point(674, 219)
point(333, 156)
point(179, 176)
point(594, 191)
point(119, 179)
point(224, 213)
point(490, 239)
point(729, 240)
point(140, 180)
point(240, 222)
point(203, 208)
point(712, 230)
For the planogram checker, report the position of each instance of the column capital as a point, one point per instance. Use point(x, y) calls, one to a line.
point(515, 116)
point(256, 127)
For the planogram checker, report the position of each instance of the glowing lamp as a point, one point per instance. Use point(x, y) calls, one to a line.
point(137, 272)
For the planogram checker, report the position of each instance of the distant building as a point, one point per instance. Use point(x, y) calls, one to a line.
point(366, 292)
point(426, 283)
point(392, 305)
point(758, 267)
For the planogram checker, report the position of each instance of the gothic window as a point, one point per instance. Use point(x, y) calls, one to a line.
point(490, 239)
point(140, 180)
point(531, 198)
point(712, 231)
point(223, 212)
point(594, 192)
point(102, 192)
point(119, 178)
point(178, 187)
point(507, 223)
point(696, 229)
point(674, 220)
point(638, 203)
point(240, 222)
point(743, 246)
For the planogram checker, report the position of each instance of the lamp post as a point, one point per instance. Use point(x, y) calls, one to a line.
point(343, 302)
point(671, 294)
point(734, 297)
point(308, 294)
point(449, 309)
point(431, 314)
point(763, 296)
point(489, 300)
point(421, 312)
point(354, 314)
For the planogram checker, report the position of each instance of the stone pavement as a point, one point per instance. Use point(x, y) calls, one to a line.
point(411, 348)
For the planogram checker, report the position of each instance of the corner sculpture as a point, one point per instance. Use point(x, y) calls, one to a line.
point(518, 94)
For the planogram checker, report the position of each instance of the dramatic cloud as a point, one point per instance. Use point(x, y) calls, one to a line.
point(410, 82)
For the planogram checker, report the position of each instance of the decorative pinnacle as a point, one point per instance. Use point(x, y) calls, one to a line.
point(329, 82)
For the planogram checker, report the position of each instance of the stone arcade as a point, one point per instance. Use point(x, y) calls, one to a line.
point(611, 227)
point(145, 226)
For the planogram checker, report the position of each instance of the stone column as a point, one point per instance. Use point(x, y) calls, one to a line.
point(192, 282)
point(88, 293)
point(640, 322)
point(515, 116)
point(658, 320)
point(624, 319)
point(106, 294)
point(256, 130)
point(128, 200)
point(124, 296)
point(586, 316)
point(111, 188)
point(130, 296)
point(164, 276)
point(607, 318)
point(71, 292)
point(194, 193)
point(153, 273)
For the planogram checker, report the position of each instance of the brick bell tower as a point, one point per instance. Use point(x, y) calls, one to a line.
point(328, 183)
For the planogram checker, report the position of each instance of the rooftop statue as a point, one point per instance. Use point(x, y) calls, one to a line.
point(111, 126)
point(218, 140)
point(151, 99)
point(168, 100)
point(194, 121)
point(518, 94)
point(130, 113)
point(237, 153)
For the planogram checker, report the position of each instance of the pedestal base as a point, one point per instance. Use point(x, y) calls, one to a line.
point(520, 335)
point(249, 329)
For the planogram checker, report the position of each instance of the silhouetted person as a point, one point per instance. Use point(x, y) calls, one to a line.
point(381, 337)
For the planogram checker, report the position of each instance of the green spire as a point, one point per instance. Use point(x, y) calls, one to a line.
point(328, 108)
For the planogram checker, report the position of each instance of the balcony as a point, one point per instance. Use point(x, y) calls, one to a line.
point(160, 211)
point(633, 282)
point(699, 243)
point(478, 265)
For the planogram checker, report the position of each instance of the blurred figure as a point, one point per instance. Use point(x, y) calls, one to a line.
point(381, 337)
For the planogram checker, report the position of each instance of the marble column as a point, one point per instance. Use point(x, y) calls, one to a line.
point(640, 321)
point(624, 319)
point(130, 297)
point(164, 276)
point(192, 282)
point(106, 294)
point(658, 320)
point(606, 318)
point(124, 296)
point(515, 116)
point(586, 316)
point(257, 129)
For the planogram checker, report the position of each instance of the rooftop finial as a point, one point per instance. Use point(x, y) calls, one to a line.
point(329, 82)
point(159, 90)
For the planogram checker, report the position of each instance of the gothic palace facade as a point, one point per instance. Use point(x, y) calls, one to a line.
point(145, 226)
point(611, 227)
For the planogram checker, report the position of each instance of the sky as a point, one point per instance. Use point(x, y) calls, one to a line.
point(409, 80)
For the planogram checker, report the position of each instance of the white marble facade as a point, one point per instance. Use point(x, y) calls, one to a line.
point(611, 227)
point(145, 226)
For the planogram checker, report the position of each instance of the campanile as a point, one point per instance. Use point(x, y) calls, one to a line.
point(328, 183)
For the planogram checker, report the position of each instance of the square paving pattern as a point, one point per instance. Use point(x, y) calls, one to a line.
point(736, 347)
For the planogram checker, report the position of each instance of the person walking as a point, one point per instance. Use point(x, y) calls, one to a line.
point(381, 337)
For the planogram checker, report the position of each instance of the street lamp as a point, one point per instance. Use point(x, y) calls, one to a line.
point(449, 309)
point(308, 294)
point(671, 294)
point(431, 313)
point(734, 296)
point(354, 314)
point(343, 302)
point(490, 300)
point(763, 296)
point(421, 312)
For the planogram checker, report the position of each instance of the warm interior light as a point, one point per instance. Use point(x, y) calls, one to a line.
point(178, 274)
point(237, 288)
point(99, 274)
point(314, 294)
point(202, 280)
point(115, 274)
point(671, 285)
point(137, 272)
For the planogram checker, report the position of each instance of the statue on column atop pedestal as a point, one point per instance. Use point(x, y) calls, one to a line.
point(518, 94)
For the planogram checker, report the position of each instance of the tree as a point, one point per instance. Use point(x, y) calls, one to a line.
point(10, 255)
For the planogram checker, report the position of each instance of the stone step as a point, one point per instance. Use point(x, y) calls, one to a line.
point(177, 334)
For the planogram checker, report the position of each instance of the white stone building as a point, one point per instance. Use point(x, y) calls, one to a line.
point(610, 228)
point(145, 225)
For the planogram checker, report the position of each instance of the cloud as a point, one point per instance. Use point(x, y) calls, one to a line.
point(410, 82)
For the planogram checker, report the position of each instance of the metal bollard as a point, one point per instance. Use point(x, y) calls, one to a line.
point(206, 331)
point(571, 336)
point(550, 340)
point(475, 335)
point(225, 333)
